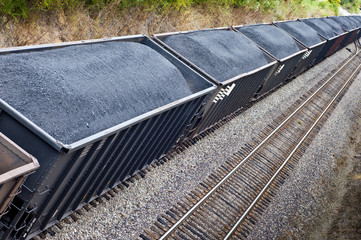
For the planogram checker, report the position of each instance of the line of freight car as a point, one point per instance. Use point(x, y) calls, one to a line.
point(308, 38)
point(280, 46)
point(73, 174)
point(338, 30)
point(326, 32)
point(357, 21)
point(178, 44)
point(347, 27)
point(352, 25)
point(223, 56)
point(353, 22)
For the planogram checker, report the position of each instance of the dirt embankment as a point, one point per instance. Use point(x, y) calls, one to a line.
point(110, 21)
point(60, 26)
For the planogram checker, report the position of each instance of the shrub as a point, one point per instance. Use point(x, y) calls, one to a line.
point(21, 8)
point(351, 5)
point(14, 8)
point(57, 4)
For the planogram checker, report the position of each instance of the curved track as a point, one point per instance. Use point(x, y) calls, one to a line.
point(228, 204)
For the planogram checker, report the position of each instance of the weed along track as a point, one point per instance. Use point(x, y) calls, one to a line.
point(231, 200)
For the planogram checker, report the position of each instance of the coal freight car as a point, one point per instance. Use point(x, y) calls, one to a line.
point(93, 113)
point(280, 45)
point(231, 61)
point(15, 166)
point(306, 36)
point(326, 32)
point(346, 27)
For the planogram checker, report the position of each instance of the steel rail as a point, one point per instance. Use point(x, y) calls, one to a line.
point(288, 158)
point(170, 230)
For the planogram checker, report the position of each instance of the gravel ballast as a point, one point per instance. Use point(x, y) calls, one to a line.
point(134, 209)
point(74, 92)
point(220, 53)
point(272, 39)
point(302, 32)
point(321, 27)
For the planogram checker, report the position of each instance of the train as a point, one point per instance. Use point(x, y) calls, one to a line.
point(67, 135)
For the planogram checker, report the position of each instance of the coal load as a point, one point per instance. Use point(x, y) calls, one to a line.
point(74, 92)
point(352, 21)
point(334, 25)
point(321, 27)
point(357, 20)
point(274, 40)
point(220, 53)
point(302, 32)
point(343, 23)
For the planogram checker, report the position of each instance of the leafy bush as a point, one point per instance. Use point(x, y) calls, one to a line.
point(14, 8)
point(51, 5)
point(21, 8)
point(334, 5)
point(351, 5)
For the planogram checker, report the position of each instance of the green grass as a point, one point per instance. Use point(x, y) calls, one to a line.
point(352, 6)
point(20, 9)
point(14, 8)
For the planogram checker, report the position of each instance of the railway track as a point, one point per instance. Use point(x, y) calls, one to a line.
point(231, 200)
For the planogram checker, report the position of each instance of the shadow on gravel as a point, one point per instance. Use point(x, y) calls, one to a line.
point(347, 223)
